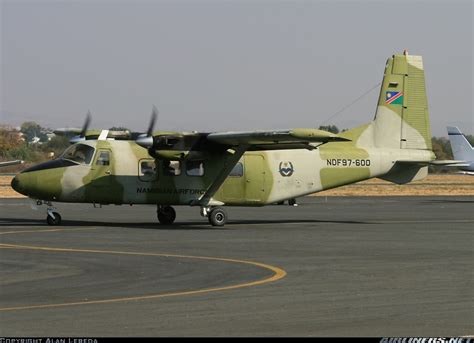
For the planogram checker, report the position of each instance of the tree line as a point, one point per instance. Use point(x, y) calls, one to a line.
point(30, 144)
point(33, 144)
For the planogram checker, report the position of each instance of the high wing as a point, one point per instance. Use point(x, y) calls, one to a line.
point(231, 160)
point(257, 140)
point(275, 139)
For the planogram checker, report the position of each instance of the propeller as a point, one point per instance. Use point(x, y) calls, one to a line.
point(146, 140)
point(82, 135)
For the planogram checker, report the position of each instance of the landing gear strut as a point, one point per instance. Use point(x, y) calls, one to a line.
point(166, 214)
point(53, 218)
point(217, 216)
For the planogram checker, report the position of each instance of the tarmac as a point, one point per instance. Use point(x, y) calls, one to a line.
point(336, 266)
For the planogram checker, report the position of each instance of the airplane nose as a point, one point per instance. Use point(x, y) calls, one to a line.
point(16, 184)
point(23, 184)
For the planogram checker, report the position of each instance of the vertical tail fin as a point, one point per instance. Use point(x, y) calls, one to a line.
point(402, 118)
point(462, 149)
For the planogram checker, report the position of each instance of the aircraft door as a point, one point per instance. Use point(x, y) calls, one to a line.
point(254, 178)
point(102, 171)
point(234, 186)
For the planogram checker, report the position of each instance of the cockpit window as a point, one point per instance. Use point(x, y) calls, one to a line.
point(103, 159)
point(79, 153)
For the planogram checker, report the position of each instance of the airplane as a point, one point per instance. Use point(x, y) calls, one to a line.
point(214, 170)
point(463, 152)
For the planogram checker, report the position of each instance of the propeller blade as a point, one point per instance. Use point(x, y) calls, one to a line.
point(154, 117)
point(82, 135)
point(146, 140)
point(86, 124)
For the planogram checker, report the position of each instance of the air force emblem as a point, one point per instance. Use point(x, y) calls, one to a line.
point(286, 169)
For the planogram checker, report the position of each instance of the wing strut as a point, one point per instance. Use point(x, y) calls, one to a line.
point(206, 199)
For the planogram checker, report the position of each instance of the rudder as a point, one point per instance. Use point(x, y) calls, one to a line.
point(402, 118)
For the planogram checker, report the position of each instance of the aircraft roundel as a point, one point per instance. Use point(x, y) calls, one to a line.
point(286, 169)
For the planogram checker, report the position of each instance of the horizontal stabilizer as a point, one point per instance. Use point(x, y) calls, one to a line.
point(447, 163)
point(450, 163)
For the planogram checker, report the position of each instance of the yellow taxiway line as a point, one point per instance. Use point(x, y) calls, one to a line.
point(278, 274)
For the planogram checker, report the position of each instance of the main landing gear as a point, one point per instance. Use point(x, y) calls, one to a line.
point(217, 216)
point(166, 214)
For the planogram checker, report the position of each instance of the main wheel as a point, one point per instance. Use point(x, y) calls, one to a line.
point(217, 217)
point(54, 221)
point(166, 215)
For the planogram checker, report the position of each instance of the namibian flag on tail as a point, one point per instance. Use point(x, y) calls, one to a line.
point(394, 98)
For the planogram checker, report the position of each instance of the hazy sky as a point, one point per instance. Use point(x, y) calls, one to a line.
point(227, 65)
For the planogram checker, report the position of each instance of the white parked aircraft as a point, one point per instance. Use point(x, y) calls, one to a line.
point(10, 163)
point(463, 152)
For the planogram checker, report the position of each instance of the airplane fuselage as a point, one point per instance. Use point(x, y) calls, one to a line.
point(121, 172)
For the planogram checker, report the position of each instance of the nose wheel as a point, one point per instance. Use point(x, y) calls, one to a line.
point(166, 215)
point(53, 218)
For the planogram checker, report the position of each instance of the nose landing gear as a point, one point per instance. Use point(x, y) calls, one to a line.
point(53, 218)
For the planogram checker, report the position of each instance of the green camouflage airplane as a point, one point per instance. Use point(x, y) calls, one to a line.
point(256, 168)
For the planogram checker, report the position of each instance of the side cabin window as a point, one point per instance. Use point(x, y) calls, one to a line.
point(103, 159)
point(147, 170)
point(171, 168)
point(195, 168)
point(79, 153)
point(238, 170)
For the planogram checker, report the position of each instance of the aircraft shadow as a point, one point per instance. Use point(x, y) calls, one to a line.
point(191, 225)
point(451, 201)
